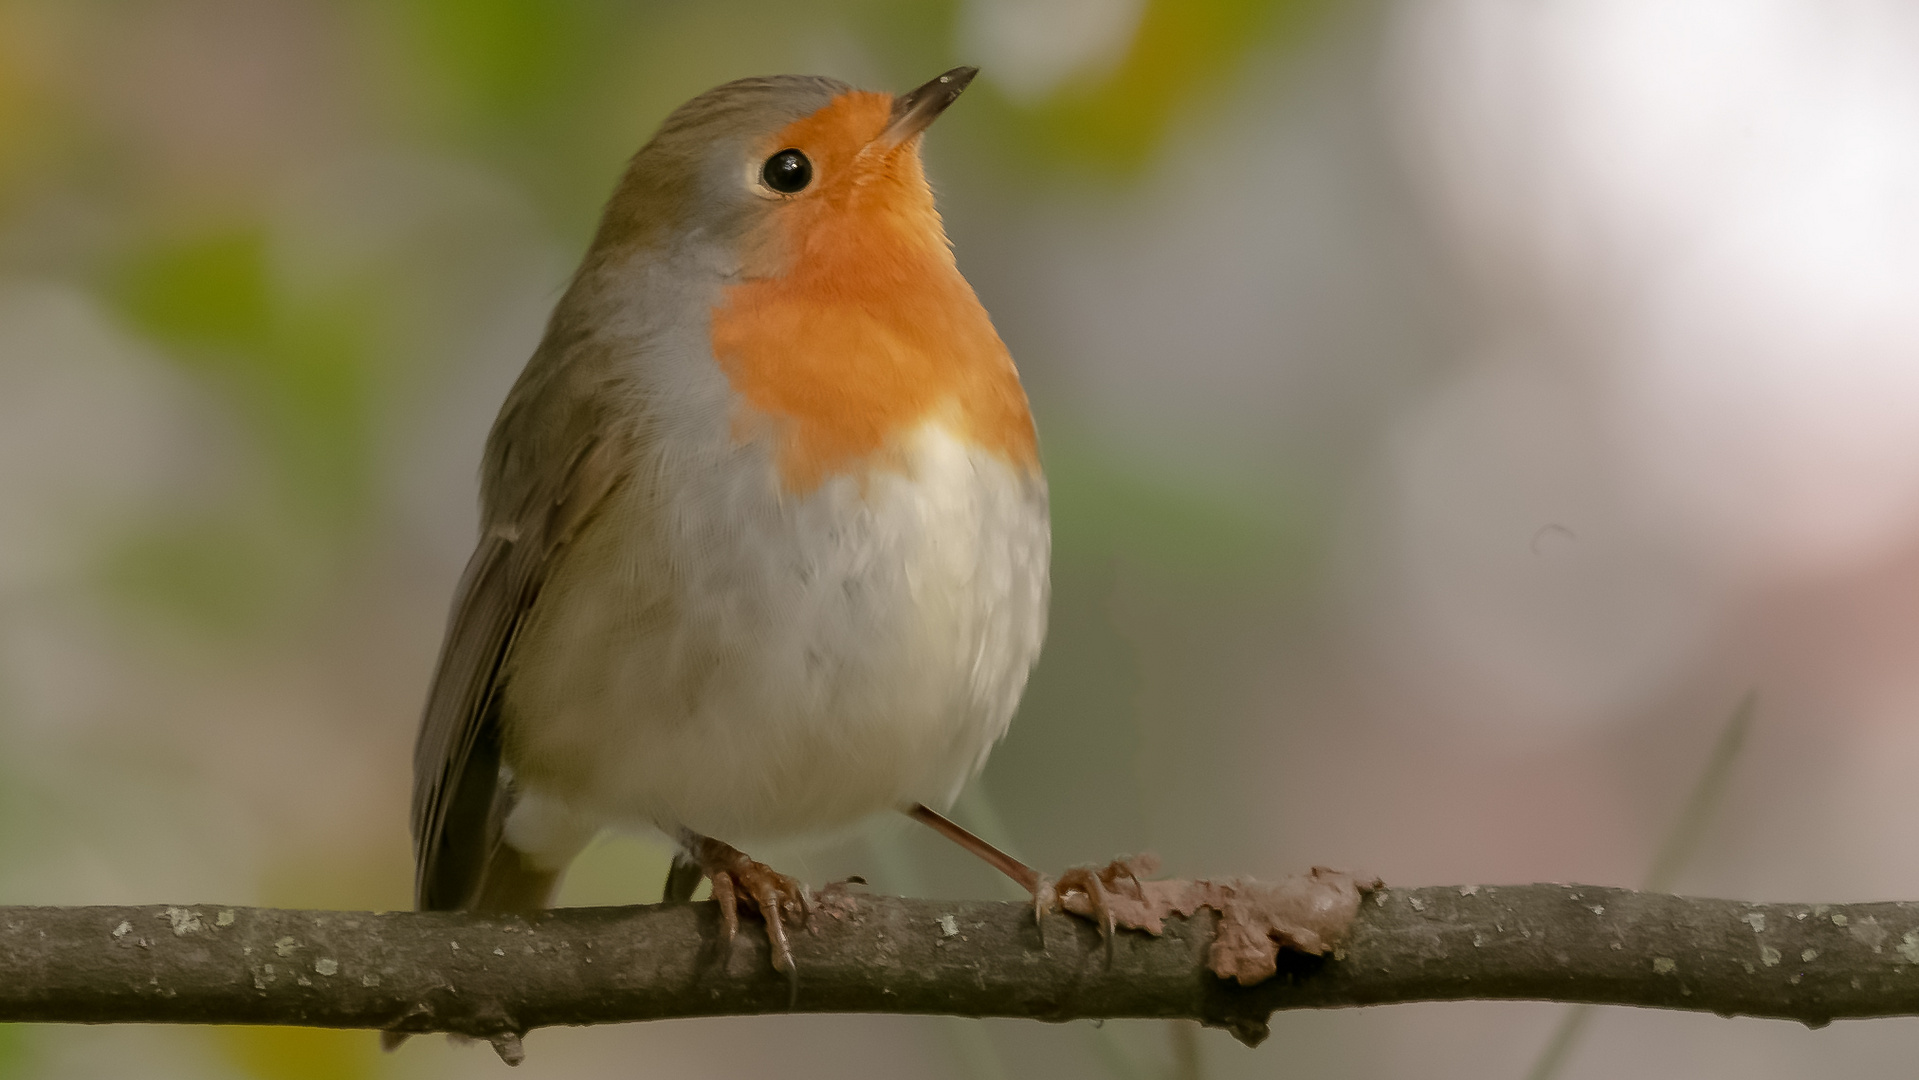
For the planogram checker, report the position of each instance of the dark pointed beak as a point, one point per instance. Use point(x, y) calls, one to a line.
point(914, 112)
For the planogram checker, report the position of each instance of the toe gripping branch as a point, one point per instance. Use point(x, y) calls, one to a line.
point(736, 877)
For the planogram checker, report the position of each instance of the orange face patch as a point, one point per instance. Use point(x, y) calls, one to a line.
point(854, 326)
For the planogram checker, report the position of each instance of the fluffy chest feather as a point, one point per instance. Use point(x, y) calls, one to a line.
point(720, 653)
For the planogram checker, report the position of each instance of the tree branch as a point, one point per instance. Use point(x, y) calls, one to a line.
point(497, 977)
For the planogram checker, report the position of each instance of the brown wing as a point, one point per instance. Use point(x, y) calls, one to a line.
point(550, 464)
point(456, 760)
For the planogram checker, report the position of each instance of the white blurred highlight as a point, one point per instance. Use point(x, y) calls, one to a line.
point(1030, 47)
point(1709, 207)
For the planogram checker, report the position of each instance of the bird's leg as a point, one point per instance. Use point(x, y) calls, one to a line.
point(1047, 894)
point(1023, 875)
point(736, 877)
point(682, 878)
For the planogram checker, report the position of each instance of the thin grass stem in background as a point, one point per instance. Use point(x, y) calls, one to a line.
point(1674, 852)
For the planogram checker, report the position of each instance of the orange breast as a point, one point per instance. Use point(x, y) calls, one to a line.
point(862, 328)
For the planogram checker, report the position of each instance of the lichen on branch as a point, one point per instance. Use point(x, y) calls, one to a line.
point(1308, 913)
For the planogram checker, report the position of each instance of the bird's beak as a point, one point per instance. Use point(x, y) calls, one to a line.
point(914, 112)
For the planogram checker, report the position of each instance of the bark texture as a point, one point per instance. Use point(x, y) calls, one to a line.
point(498, 977)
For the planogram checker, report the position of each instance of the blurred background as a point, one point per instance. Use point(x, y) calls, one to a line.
point(1453, 407)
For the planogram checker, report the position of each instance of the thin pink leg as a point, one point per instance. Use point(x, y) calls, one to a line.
point(1026, 876)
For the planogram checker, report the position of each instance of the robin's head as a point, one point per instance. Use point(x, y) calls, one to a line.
point(784, 170)
point(790, 220)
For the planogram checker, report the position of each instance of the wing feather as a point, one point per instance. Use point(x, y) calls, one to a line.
point(456, 760)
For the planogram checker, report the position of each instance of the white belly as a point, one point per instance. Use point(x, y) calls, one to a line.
point(713, 656)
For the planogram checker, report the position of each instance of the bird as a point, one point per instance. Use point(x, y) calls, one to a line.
point(764, 544)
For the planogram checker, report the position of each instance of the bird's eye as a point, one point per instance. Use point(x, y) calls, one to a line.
point(787, 172)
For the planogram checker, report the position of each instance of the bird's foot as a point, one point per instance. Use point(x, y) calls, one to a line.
point(1099, 894)
point(1082, 890)
point(737, 878)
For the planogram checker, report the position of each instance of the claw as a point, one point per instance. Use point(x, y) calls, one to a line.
point(1098, 886)
point(1087, 881)
point(774, 894)
point(1045, 899)
point(736, 877)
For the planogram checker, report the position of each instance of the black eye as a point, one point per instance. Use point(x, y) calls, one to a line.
point(787, 172)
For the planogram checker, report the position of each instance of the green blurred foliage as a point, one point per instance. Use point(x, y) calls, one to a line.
point(208, 290)
point(616, 868)
point(13, 1050)
point(296, 1053)
point(511, 56)
point(1200, 530)
point(206, 572)
point(296, 364)
point(297, 361)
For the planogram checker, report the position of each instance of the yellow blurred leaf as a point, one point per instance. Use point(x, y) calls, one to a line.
point(294, 1053)
point(26, 108)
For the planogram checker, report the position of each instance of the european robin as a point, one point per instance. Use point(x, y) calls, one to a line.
point(764, 536)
